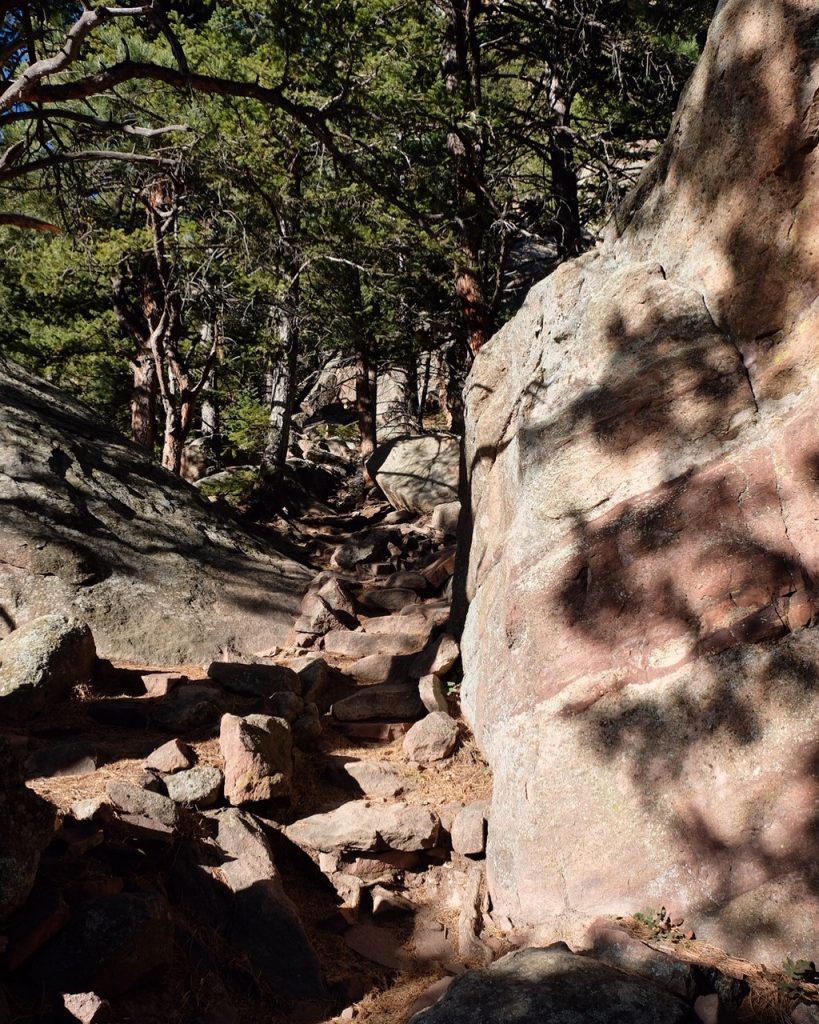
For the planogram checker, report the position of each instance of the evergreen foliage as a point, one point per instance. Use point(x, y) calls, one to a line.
point(376, 178)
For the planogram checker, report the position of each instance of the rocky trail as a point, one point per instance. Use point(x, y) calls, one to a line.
point(185, 815)
point(294, 837)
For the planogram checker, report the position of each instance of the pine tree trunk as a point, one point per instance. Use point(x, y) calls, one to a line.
point(280, 388)
point(563, 171)
point(144, 401)
point(477, 316)
point(366, 392)
point(209, 411)
point(174, 442)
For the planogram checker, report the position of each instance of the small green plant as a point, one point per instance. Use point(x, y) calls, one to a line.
point(246, 425)
point(237, 487)
point(453, 682)
point(660, 924)
point(800, 970)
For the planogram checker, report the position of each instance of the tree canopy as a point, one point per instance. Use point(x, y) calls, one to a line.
point(225, 195)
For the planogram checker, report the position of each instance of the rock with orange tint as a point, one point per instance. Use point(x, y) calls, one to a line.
point(643, 452)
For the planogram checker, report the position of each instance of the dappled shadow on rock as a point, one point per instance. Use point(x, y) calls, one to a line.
point(639, 662)
point(92, 525)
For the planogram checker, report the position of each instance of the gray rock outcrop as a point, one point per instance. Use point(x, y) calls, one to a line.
point(92, 526)
point(642, 445)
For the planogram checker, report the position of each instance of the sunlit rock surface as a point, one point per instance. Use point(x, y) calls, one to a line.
point(643, 446)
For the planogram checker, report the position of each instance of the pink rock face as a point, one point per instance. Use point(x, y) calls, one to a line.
point(640, 666)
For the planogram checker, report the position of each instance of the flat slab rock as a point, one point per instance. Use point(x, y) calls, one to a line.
point(554, 986)
point(362, 826)
point(386, 700)
point(372, 778)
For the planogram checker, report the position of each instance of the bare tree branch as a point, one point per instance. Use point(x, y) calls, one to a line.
point(83, 157)
point(98, 123)
point(90, 19)
point(22, 220)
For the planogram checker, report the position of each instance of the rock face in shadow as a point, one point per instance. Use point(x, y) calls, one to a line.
point(91, 526)
point(640, 663)
point(537, 985)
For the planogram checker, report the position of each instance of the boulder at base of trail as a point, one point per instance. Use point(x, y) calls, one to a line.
point(94, 527)
point(533, 986)
point(41, 661)
point(418, 473)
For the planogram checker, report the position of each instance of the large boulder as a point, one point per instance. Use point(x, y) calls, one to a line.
point(642, 445)
point(533, 986)
point(41, 661)
point(94, 527)
point(418, 473)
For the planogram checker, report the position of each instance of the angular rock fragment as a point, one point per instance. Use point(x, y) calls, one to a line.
point(326, 606)
point(376, 668)
point(368, 546)
point(173, 756)
point(407, 580)
point(386, 902)
point(439, 571)
point(389, 599)
point(285, 705)
point(432, 694)
point(132, 799)
point(307, 727)
point(359, 825)
point(196, 787)
point(258, 915)
point(380, 945)
point(419, 621)
point(372, 778)
point(438, 658)
point(432, 739)
point(418, 473)
point(63, 759)
point(160, 684)
point(469, 830)
point(254, 679)
point(387, 700)
point(258, 754)
point(190, 707)
point(445, 518)
point(359, 644)
point(87, 1008)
